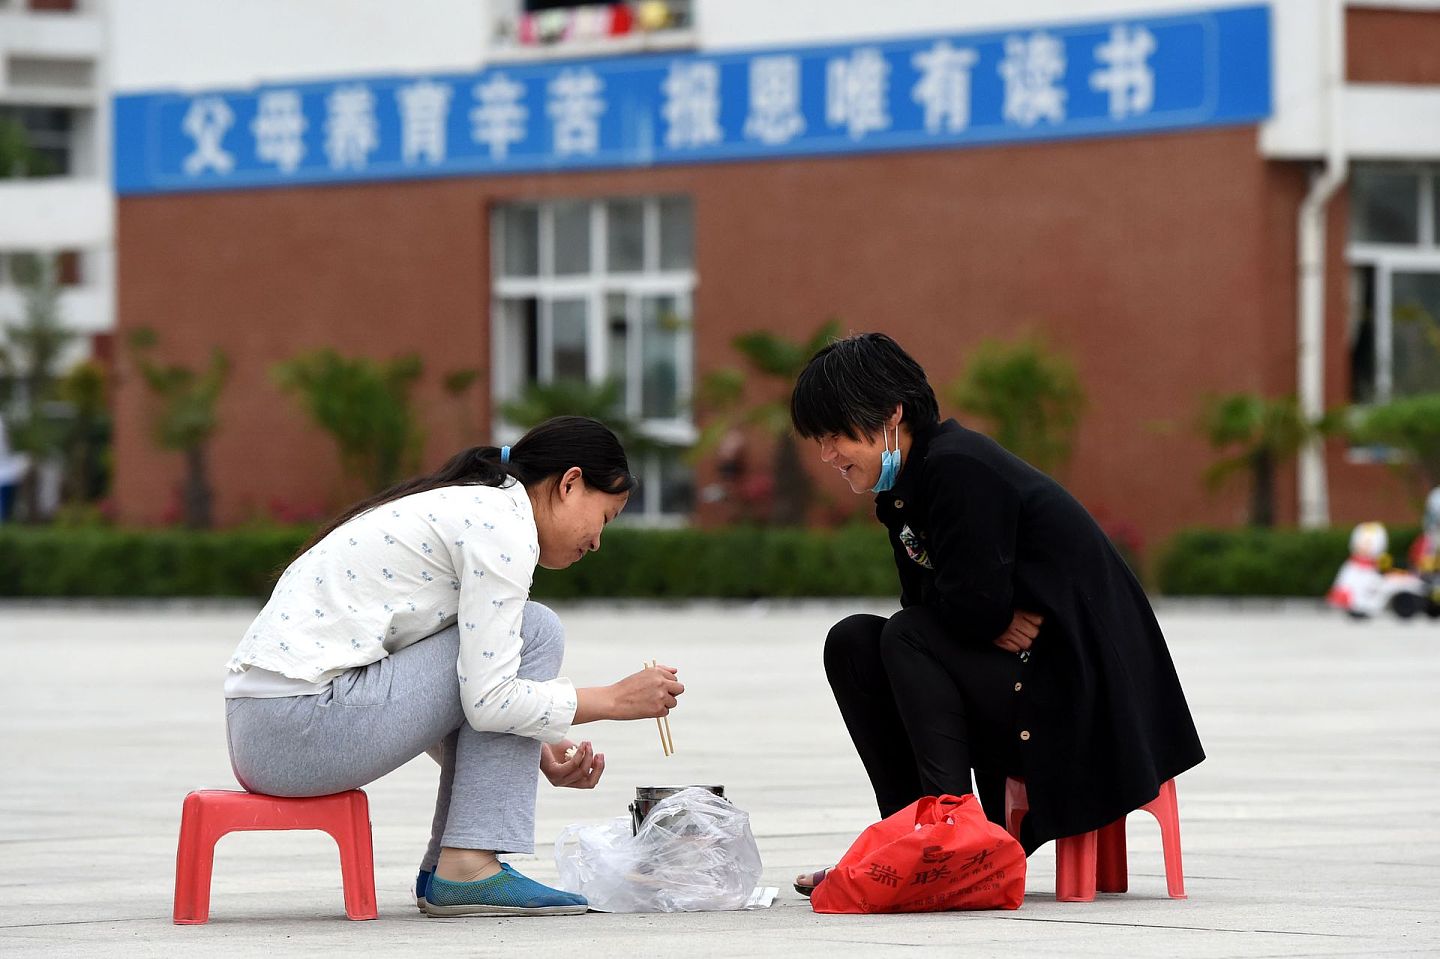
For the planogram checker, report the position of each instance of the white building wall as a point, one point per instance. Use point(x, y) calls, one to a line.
point(60, 60)
point(194, 44)
point(751, 23)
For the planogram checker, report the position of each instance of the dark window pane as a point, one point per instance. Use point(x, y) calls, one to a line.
point(567, 337)
point(572, 238)
point(45, 132)
point(520, 240)
point(1384, 206)
point(661, 325)
point(640, 495)
point(1416, 331)
point(1362, 334)
point(1435, 209)
point(677, 484)
point(677, 234)
point(617, 341)
point(518, 364)
point(625, 233)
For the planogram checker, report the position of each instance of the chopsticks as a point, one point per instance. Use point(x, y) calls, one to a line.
point(667, 741)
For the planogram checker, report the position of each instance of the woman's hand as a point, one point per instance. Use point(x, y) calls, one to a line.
point(650, 693)
point(580, 771)
point(644, 695)
point(1021, 633)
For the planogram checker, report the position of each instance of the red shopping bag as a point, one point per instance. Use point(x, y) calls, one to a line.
point(937, 854)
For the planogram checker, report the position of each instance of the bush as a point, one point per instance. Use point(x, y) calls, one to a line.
point(731, 563)
point(738, 563)
point(1411, 424)
point(1259, 562)
point(98, 561)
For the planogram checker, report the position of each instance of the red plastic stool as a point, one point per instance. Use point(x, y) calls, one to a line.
point(1098, 859)
point(211, 813)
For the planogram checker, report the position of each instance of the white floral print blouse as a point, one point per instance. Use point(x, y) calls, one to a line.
point(403, 571)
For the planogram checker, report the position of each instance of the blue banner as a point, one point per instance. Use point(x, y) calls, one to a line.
point(1047, 82)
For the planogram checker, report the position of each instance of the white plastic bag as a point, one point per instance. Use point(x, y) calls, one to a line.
point(694, 853)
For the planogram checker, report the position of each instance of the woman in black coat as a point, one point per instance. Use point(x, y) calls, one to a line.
point(1024, 647)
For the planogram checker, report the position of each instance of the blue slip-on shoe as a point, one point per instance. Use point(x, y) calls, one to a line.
point(422, 886)
point(507, 893)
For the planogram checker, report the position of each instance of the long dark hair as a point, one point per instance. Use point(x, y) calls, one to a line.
point(545, 452)
point(851, 386)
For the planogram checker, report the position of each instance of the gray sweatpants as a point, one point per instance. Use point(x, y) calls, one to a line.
point(377, 718)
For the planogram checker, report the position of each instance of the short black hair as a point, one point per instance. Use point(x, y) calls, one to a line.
point(851, 387)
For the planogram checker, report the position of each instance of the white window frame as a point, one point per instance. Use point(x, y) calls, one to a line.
point(1387, 259)
point(594, 288)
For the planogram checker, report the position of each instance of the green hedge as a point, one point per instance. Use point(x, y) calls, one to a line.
point(730, 563)
point(634, 563)
point(99, 561)
point(1259, 562)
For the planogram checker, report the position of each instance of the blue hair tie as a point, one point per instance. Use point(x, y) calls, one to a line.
point(504, 454)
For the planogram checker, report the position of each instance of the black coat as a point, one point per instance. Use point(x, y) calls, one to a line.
point(1100, 721)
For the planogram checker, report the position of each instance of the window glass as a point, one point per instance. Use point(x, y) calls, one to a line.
point(1415, 330)
point(661, 329)
point(1435, 208)
point(568, 326)
point(572, 238)
point(48, 136)
point(518, 364)
point(677, 483)
point(549, 282)
point(638, 505)
point(1384, 205)
point(676, 234)
point(520, 240)
point(1362, 334)
point(625, 236)
point(617, 341)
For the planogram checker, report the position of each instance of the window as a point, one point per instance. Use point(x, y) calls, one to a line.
point(600, 291)
point(19, 269)
point(48, 134)
point(664, 13)
point(529, 27)
point(1394, 254)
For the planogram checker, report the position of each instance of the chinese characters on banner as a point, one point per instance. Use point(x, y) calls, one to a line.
point(1047, 82)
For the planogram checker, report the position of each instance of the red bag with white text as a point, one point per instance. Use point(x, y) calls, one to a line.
point(937, 854)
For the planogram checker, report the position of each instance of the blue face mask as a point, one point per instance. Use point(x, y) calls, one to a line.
point(889, 462)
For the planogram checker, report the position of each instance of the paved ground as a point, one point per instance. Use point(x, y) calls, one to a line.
point(1312, 829)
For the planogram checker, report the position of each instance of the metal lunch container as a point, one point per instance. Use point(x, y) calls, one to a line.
point(646, 797)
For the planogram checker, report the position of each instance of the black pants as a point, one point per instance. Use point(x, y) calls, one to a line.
point(925, 709)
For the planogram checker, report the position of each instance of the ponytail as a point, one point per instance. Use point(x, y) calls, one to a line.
point(545, 452)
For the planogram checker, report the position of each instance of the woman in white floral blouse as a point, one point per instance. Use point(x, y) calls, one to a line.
point(405, 627)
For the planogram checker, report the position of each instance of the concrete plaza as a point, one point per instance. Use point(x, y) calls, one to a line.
point(1313, 829)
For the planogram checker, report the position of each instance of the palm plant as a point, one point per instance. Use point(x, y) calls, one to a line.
point(366, 408)
point(1029, 395)
point(780, 361)
point(1260, 434)
point(1410, 424)
point(457, 384)
point(86, 390)
point(17, 157)
point(185, 418)
point(574, 397)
